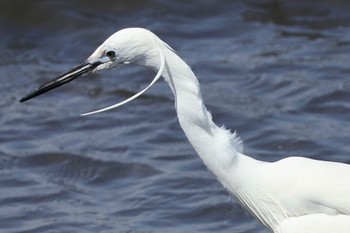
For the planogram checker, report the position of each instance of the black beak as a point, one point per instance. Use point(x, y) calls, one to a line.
point(72, 74)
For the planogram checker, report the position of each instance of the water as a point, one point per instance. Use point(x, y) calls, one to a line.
point(276, 71)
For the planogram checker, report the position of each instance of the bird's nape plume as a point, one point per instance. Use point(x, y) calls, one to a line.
point(158, 75)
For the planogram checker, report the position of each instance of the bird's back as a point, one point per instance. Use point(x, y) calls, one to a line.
point(312, 195)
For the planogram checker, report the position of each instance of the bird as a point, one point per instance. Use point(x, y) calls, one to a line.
point(294, 194)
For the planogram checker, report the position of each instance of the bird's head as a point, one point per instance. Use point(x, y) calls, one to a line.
point(127, 46)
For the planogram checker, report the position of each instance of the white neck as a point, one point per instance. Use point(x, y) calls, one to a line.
point(217, 147)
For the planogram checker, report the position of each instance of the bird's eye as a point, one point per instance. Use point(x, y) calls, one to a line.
point(110, 54)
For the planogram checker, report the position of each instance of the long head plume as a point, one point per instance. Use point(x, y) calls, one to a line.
point(159, 74)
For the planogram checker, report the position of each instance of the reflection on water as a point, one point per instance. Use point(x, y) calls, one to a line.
point(276, 71)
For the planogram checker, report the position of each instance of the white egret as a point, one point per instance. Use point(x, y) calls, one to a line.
point(291, 195)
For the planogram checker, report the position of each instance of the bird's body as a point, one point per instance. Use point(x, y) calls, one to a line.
point(291, 195)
